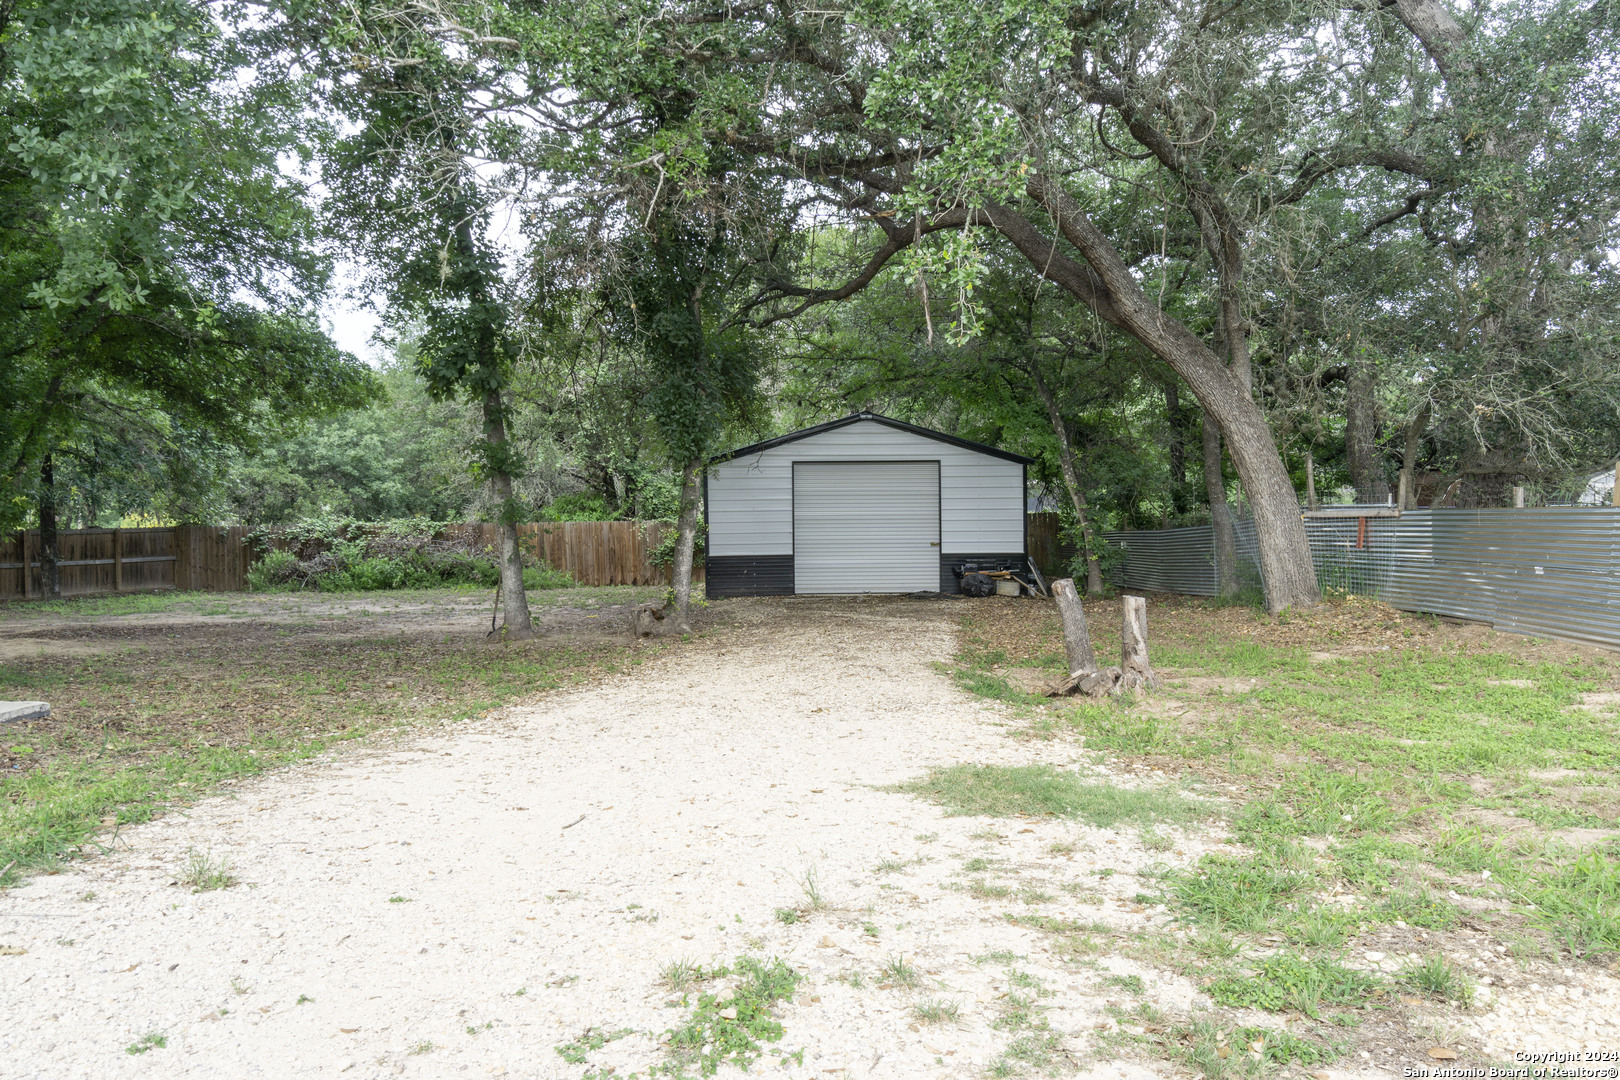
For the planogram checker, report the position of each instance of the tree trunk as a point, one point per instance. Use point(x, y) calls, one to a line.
point(1111, 290)
point(1076, 635)
point(1361, 433)
point(1071, 477)
point(1220, 514)
point(514, 601)
point(1135, 672)
point(1409, 453)
point(1177, 420)
point(685, 541)
point(50, 575)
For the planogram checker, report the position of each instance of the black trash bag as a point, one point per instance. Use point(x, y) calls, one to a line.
point(975, 584)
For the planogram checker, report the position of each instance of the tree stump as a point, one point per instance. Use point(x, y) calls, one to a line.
point(644, 622)
point(1076, 635)
point(1135, 670)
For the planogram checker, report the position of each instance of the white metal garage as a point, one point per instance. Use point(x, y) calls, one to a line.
point(862, 504)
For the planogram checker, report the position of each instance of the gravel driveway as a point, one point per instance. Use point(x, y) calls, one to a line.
point(469, 899)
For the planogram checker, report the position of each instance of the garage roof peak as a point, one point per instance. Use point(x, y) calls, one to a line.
point(876, 418)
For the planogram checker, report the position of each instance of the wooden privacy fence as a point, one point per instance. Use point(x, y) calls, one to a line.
point(1047, 547)
point(591, 552)
point(89, 561)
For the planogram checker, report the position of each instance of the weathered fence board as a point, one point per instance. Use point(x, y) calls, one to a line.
point(1047, 546)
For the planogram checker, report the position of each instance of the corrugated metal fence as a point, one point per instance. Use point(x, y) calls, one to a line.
point(1552, 571)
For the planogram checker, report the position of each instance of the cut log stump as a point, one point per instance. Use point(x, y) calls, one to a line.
point(644, 622)
point(1076, 634)
point(1134, 673)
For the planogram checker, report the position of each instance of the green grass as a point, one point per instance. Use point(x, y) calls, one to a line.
point(1436, 977)
point(1288, 981)
point(1229, 1053)
point(731, 1031)
point(896, 970)
point(204, 872)
point(1390, 753)
point(96, 607)
point(938, 1011)
point(1040, 790)
point(152, 1040)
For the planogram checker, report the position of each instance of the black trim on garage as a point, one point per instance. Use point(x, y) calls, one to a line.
point(748, 575)
point(949, 564)
point(855, 418)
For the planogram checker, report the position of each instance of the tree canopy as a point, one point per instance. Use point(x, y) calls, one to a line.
point(1174, 252)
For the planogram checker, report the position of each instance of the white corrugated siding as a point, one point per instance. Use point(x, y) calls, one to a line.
point(751, 498)
point(866, 526)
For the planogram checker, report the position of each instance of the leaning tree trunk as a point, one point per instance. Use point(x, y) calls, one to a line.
point(514, 601)
point(50, 573)
point(1220, 514)
point(685, 541)
point(1108, 285)
point(1071, 476)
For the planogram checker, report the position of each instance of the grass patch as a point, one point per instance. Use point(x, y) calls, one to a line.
point(1355, 724)
point(1436, 977)
point(1040, 790)
point(205, 873)
point(152, 1040)
point(897, 971)
point(1286, 981)
point(578, 1051)
point(938, 1011)
point(731, 1031)
point(1229, 1053)
point(1578, 901)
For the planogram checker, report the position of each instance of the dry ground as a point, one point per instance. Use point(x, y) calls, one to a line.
point(546, 888)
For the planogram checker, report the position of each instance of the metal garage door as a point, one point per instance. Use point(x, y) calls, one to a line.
point(865, 526)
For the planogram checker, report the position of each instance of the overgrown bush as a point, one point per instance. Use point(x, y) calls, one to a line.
point(271, 572)
point(342, 555)
point(580, 506)
point(664, 554)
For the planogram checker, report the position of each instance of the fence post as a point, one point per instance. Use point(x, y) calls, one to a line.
point(118, 560)
point(180, 544)
point(28, 565)
point(1518, 497)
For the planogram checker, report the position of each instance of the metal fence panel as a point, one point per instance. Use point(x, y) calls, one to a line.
point(1551, 571)
point(1166, 560)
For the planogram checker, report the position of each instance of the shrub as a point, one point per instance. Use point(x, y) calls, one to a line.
point(341, 556)
point(580, 506)
point(547, 576)
point(272, 572)
point(664, 553)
